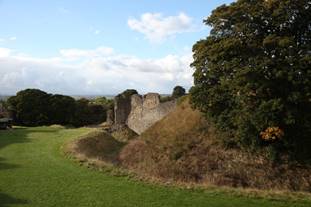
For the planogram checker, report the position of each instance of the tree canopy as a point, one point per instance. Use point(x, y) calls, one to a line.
point(178, 91)
point(30, 107)
point(33, 107)
point(127, 93)
point(253, 74)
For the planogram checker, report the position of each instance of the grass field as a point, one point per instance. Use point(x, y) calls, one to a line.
point(34, 172)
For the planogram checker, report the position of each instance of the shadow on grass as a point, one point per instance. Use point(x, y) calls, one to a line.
point(6, 200)
point(12, 136)
point(19, 135)
point(6, 166)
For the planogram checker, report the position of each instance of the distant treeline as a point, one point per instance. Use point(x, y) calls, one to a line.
point(4, 98)
point(33, 107)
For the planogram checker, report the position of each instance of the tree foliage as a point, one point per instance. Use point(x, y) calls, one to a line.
point(127, 93)
point(61, 109)
point(105, 102)
point(253, 72)
point(33, 107)
point(30, 107)
point(178, 91)
point(3, 109)
point(87, 113)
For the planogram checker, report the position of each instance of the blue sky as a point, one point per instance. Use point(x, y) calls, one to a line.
point(139, 44)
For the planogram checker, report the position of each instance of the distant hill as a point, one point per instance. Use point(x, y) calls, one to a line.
point(91, 97)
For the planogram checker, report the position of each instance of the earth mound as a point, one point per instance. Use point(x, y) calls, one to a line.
point(183, 147)
point(97, 145)
point(124, 134)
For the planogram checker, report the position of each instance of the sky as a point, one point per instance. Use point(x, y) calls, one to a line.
point(100, 47)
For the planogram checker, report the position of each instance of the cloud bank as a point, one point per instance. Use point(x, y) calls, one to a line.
point(13, 38)
point(100, 71)
point(157, 27)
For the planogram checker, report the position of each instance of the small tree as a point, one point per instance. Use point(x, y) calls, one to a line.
point(178, 91)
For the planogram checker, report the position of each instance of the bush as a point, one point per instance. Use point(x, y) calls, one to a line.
point(253, 73)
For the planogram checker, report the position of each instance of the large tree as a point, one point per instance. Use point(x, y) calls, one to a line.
point(33, 107)
point(30, 107)
point(253, 74)
point(61, 109)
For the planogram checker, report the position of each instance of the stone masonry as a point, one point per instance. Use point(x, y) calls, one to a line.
point(139, 113)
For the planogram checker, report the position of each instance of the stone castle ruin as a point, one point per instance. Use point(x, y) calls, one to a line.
point(140, 112)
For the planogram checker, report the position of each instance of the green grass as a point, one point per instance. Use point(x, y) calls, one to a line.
point(35, 172)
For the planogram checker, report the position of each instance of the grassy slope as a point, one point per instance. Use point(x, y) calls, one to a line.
point(98, 145)
point(179, 147)
point(33, 172)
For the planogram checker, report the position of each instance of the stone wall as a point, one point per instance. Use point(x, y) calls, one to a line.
point(3, 112)
point(146, 111)
point(110, 116)
point(122, 109)
point(139, 113)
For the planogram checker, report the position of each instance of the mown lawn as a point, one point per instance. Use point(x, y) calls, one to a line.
point(34, 172)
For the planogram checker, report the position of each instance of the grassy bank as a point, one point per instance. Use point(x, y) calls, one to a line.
point(34, 172)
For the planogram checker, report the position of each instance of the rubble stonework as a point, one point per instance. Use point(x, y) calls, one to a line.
point(122, 108)
point(3, 111)
point(139, 113)
point(110, 116)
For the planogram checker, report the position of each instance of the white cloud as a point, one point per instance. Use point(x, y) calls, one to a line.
point(79, 53)
point(5, 52)
point(8, 39)
point(157, 28)
point(98, 71)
